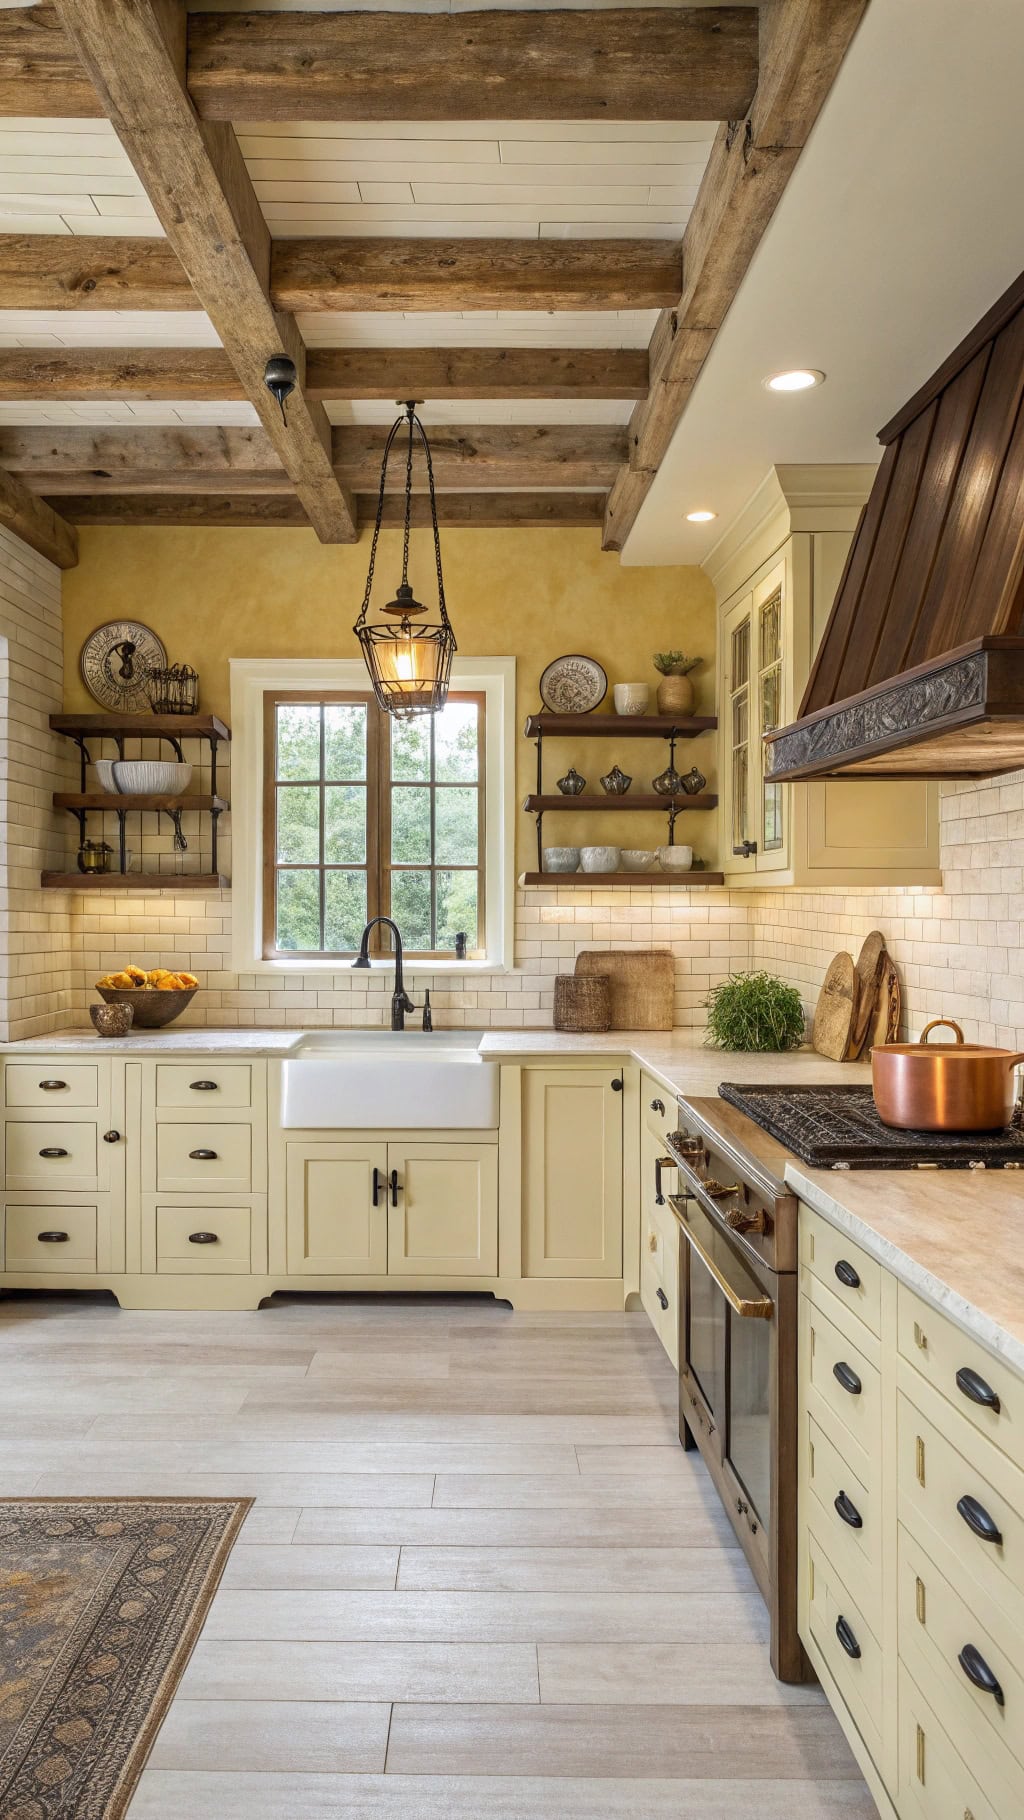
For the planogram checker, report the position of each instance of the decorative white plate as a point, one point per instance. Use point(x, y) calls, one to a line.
point(573, 685)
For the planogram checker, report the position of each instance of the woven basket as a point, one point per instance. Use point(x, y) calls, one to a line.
point(582, 1004)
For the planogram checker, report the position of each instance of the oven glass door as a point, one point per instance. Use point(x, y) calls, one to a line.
point(728, 1348)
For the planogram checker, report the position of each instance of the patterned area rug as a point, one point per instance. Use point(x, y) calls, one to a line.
point(101, 1602)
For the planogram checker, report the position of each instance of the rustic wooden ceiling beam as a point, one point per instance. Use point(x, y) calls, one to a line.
point(802, 45)
point(113, 459)
point(195, 177)
point(477, 510)
point(37, 523)
point(659, 63)
point(105, 375)
point(86, 272)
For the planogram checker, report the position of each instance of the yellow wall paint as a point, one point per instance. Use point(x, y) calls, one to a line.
point(214, 594)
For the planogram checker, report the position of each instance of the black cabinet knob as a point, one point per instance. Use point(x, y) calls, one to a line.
point(846, 1376)
point(847, 1275)
point(50, 1150)
point(617, 1084)
point(52, 1238)
point(202, 1086)
point(203, 1156)
point(974, 1386)
point(202, 1238)
point(52, 1086)
point(847, 1638)
point(979, 1674)
point(662, 1297)
point(978, 1520)
point(111, 1137)
point(848, 1511)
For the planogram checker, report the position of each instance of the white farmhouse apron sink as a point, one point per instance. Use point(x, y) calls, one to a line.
point(370, 1080)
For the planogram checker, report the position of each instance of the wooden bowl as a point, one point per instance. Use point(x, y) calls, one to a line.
point(153, 1009)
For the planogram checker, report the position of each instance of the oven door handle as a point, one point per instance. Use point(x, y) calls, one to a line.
point(760, 1310)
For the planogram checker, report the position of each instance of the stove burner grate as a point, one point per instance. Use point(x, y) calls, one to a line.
point(839, 1127)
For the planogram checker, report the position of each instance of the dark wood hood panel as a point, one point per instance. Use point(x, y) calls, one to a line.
point(938, 557)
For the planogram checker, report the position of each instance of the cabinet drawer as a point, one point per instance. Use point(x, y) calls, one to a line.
point(204, 1241)
point(945, 1499)
point(848, 1644)
point(847, 1383)
point(659, 1107)
point(844, 1513)
point(935, 1783)
point(962, 1372)
point(54, 1084)
point(59, 1239)
point(853, 1276)
point(938, 1629)
point(205, 1086)
point(52, 1154)
point(660, 1302)
point(201, 1158)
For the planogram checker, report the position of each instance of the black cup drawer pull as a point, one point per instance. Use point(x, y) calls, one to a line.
point(975, 1387)
point(848, 1511)
point(978, 1520)
point(662, 1297)
point(202, 1238)
point(847, 1275)
point(203, 1086)
point(52, 1238)
point(203, 1156)
point(979, 1674)
point(847, 1639)
point(53, 1150)
point(52, 1086)
point(846, 1376)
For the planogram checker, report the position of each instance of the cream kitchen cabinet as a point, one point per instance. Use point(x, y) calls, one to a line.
point(572, 1172)
point(776, 571)
point(659, 1230)
point(911, 1491)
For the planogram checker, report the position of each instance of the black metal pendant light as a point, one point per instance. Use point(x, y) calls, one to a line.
point(409, 664)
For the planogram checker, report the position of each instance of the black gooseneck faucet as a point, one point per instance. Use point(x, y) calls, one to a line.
point(400, 1000)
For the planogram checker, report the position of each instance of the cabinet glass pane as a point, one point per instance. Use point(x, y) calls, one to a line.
point(770, 690)
point(739, 735)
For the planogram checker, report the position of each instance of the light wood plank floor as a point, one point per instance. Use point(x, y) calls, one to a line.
point(480, 1578)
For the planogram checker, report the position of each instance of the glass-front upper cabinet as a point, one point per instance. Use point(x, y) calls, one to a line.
point(755, 637)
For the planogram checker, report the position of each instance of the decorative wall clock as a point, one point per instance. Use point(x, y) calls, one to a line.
point(115, 661)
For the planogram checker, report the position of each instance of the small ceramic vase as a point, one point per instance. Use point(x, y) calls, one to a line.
point(615, 783)
point(572, 783)
point(637, 859)
point(631, 698)
point(112, 1020)
point(694, 782)
point(675, 859)
point(561, 859)
point(667, 782)
point(675, 695)
point(599, 859)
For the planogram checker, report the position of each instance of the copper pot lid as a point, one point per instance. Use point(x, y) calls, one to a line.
point(946, 1051)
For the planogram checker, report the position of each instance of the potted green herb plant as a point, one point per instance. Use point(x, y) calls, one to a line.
point(756, 1012)
point(675, 691)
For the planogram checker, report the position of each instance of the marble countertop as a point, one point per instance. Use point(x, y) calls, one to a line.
point(84, 1040)
point(678, 1059)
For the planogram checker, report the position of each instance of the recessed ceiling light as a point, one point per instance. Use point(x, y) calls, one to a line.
point(702, 517)
point(801, 379)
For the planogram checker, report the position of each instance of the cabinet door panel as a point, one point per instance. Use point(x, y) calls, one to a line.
point(446, 1220)
point(333, 1227)
point(572, 1173)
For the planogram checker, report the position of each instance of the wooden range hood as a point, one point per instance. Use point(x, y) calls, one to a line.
point(920, 672)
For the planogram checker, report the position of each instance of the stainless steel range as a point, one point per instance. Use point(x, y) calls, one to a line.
point(737, 1343)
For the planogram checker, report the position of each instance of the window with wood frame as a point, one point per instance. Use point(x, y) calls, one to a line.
point(365, 815)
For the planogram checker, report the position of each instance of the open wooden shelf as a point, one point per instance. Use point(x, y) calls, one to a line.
point(616, 726)
point(141, 726)
point(596, 881)
point(135, 881)
point(105, 799)
point(541, 805)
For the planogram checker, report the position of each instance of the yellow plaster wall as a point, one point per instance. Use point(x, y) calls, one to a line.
point(215, 594)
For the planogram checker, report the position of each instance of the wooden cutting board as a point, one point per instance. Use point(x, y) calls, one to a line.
point(836, 1009)
point(872, 963)
point(642, 983)
point(888, 1009)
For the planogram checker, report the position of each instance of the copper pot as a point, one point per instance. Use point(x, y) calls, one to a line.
point(943, 1086)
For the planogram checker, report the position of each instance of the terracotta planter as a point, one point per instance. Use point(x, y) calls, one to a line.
point(675, 695)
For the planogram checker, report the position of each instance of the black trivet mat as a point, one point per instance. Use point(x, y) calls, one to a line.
point(831, 1126)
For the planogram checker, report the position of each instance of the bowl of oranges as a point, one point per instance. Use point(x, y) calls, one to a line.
point(156, 997)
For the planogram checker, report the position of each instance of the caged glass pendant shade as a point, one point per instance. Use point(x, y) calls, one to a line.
point(409, 660)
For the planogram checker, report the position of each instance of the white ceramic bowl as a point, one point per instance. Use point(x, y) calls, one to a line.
point(631, 698)
point(150, 777)
point(637, 859)
point(600, 859)
point(104, 768)
point(561, 859)
point(675, 859)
